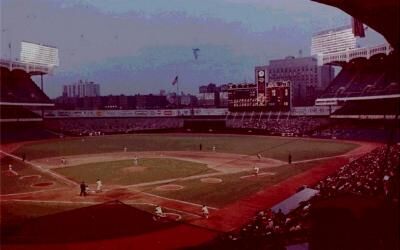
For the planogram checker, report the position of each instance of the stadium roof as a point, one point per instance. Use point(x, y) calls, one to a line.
point(30, 68)
point(383, 15)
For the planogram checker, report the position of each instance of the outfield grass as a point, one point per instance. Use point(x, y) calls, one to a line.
point(13, 184)
point(126, 173)
point(272, 147)
point(232, 188)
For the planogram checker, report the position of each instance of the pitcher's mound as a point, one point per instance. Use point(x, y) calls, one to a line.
point(134, 169)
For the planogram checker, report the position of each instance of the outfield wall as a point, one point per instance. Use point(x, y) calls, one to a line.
point(134, 113)
point(217, 112)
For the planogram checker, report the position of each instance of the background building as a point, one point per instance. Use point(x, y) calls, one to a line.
point(333, 40)
point(246, 97)
point(307, 77)
point(81, 89)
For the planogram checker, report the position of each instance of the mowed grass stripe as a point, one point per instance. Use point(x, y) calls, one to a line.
point(126, 173)
point(271, 147)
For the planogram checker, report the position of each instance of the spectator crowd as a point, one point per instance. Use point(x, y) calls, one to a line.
point(90, 126)
point(374, 175)
point(283, 126)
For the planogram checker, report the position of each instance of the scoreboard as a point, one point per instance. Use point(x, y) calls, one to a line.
point(242, 96)
point(40, 54)
point(278, 96)
point(275, 96)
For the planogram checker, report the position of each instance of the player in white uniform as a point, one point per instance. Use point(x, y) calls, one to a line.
point(256, 170)
point(99, 185)
point(204, 209)
point(158, 212)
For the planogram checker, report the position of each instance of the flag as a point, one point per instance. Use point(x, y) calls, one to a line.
point(196, 53)
point(175, 81)
point(358, 28)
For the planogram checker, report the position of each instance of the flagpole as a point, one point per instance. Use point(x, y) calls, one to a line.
point(177, 86)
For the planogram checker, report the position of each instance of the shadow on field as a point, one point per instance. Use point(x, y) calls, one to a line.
point(104, 221)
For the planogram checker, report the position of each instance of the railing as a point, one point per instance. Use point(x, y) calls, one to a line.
point(348, 55)
point(31, 68)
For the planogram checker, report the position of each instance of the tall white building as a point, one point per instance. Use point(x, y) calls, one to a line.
point(81, 89)
point(333, 40)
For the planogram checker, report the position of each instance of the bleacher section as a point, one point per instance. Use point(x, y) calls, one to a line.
point(273, 124)
point(93, 126)
point(18, 87)
point(376, 76)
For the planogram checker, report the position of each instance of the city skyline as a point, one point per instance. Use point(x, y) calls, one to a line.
point(134, 47)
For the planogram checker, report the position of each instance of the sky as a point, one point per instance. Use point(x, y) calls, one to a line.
point(139, 46)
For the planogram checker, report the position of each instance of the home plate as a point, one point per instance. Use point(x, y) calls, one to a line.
point(255, 176)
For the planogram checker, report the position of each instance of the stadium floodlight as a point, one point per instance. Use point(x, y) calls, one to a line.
point(39, 54)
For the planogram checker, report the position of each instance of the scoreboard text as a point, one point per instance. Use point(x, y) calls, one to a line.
point(275, 96)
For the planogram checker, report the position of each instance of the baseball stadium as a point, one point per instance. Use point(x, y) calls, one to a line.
point(260, 173)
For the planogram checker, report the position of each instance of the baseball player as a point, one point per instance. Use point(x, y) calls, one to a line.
point(204, 209)
point(99, 186)
point(83, 187)
point(158, 212)
point(256, 170)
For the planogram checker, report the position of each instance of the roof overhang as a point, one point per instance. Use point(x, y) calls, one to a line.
point(383, 15)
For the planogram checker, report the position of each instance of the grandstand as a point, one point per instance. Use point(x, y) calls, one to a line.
point(358, 185)
point(376, 76)
point(370, 108)
point(22, 102)
point(18, 88)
